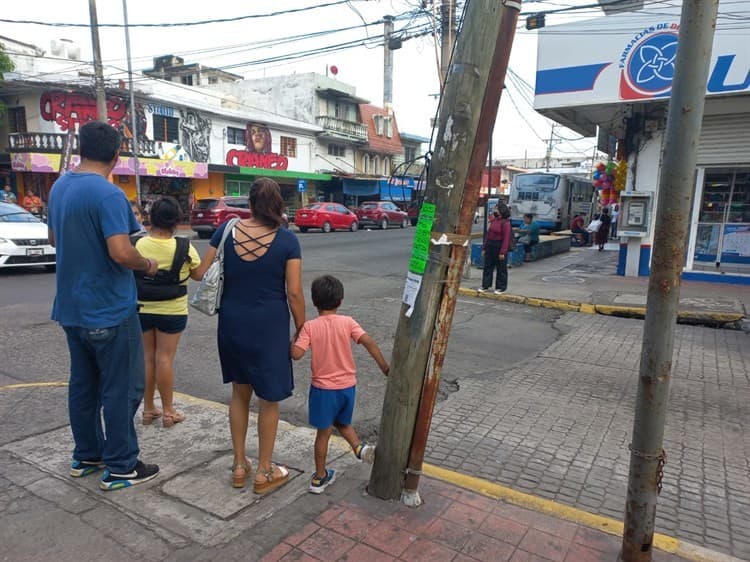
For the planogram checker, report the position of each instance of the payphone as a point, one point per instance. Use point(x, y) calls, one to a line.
point(634, 219)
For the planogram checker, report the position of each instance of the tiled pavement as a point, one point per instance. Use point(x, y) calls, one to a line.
point(453, 525)
point(558, 426)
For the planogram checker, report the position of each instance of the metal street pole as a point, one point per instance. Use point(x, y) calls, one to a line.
point(676, 181)
point(133, 112)
point(447, 35)
point(101, 96)
point(387, 64)
point(468, 111)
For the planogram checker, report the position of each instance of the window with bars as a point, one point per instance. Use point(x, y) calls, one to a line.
point(336, 150)
point(166, 129)
point(288, 147)
point(17, 119)
point(235, 135)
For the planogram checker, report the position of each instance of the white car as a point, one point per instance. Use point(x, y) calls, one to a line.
point(24, 239)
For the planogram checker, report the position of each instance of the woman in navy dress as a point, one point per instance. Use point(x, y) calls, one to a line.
point(262, 282)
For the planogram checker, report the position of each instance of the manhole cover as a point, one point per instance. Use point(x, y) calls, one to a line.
point(563, 280)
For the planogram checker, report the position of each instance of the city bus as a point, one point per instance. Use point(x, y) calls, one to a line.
point(553, 198)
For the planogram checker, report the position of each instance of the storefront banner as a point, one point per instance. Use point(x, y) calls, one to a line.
point(50, 164)
point(628, 57)
point(736, 244)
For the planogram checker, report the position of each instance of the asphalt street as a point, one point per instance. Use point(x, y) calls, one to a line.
point(372, 266)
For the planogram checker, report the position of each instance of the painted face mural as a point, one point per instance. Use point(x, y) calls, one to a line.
point(258, 138)
point(195, 134)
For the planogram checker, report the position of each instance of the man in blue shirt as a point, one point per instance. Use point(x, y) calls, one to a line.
point(529, 232)
point(89, 223)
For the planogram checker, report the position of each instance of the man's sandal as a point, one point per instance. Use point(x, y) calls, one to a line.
point(240, 472)
point(271, 483)
point(150, 417)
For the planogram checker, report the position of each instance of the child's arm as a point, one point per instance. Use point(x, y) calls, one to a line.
point(373, 349)
point(300, 343)
point(297, 352)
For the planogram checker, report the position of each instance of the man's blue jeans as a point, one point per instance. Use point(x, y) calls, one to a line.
point(107, 377)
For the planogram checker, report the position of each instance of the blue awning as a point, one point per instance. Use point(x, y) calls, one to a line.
point(394, 192)
point(361, 188)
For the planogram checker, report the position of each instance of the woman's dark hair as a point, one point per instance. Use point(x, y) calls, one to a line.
point(266, 203)
point(165, 213)
point(98, 142)
point(327, 293)
point(605, 211)
point(504, 210)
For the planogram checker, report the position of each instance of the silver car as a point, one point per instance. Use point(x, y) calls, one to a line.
point(24, 239)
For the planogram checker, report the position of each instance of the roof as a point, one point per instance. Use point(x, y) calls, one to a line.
point(375, 142)
point(409, 137)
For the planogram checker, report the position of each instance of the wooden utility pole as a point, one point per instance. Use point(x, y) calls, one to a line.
point(468, 111)
point(101, 96)
point(676, 181)
point(447, 35)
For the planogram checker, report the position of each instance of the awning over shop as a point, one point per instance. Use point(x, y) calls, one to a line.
point(361, 188)
point(394, 192)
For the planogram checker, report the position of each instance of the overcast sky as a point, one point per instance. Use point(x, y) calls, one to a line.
point(519, 129)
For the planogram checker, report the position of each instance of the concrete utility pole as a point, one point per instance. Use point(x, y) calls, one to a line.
point(447, 35)
point(468, 111)
point(101, 96)
point(676, 181)
point(133, 112)
point(387, 64)
point(548, 154)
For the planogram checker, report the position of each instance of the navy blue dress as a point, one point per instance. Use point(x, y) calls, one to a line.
point(253, 334)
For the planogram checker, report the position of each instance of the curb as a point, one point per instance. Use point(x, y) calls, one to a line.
point(731, 320)
point(665, 543)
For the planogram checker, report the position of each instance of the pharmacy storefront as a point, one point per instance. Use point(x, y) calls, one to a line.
point(612, 77)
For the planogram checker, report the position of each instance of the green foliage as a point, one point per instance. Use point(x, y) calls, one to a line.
point(6, 65)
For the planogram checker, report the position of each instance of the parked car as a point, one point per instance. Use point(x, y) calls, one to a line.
point(327, 217)
point(24, 239)
point(209, 214)
point(382, 214)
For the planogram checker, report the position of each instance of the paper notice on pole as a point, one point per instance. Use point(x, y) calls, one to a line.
point(421, 248)
point(411, 290)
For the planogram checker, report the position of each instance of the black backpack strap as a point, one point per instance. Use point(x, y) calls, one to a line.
point(180, 255)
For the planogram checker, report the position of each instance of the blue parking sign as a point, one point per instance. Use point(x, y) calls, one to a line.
point(301, 186)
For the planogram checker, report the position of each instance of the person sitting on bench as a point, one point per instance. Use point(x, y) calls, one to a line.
point(578, 227)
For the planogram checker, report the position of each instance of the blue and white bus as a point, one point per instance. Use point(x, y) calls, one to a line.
point(553, 198)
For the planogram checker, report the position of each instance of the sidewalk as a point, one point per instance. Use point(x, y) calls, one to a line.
point(586, 280)
point(190, 512)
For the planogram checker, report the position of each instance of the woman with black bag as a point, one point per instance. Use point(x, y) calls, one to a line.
point(163, 305)
point(495, 250)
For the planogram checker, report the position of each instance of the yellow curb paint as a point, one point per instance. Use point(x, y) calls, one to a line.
point(549, 507)
point(610, 310)
point(587, 308)
point(22, 385)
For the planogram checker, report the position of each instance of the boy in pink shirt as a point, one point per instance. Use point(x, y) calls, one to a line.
point(334, 379)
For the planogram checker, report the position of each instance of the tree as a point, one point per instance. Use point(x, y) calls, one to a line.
point(6, 65)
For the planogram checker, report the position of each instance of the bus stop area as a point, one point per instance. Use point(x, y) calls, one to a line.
point(586, 280)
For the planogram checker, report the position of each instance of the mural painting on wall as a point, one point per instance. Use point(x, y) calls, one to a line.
point(69, 110)
point(195, 135)
point(258, 153)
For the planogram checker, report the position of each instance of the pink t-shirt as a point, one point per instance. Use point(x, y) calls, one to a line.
point(329, 338)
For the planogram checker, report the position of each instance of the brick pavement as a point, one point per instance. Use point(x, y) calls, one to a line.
point(558, 426)
point(453, 525)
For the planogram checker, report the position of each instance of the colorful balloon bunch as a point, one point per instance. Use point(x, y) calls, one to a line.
point(609, 179)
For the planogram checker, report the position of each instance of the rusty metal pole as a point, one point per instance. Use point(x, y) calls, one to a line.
point(471, 98)
point(676, 181)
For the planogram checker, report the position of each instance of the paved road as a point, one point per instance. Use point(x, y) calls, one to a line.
point(372, 265)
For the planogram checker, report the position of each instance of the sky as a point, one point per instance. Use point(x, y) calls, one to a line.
point(243, 46)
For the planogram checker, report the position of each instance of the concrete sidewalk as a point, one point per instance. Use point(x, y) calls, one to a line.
point(190, 512)
point(586, 280)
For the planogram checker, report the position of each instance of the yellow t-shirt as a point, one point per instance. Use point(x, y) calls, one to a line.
point(162, 250)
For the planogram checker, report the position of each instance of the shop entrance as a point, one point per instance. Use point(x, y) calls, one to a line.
point(152, 188)
point(722, 240)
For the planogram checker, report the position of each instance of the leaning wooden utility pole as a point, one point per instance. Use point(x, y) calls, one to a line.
point(101, 96)
point(468, 111)
point(676, 182)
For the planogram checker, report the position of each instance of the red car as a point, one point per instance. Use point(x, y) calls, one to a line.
point(326, 216)
point(209, 214)
point(382, 214)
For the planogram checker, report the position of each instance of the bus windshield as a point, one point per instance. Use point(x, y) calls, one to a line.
point(536, 182)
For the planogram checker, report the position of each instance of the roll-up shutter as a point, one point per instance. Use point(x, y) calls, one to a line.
point(725, 140)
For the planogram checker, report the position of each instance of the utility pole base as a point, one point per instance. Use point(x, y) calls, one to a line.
point(632, 553)
point(411, 498)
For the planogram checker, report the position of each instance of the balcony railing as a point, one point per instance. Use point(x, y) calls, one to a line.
point(53, 143)
point(348, 129)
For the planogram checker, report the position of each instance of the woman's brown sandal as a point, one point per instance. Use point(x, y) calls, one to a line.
point(171, 419)
point(240, 472)
point(150, 417)
point(271, 483)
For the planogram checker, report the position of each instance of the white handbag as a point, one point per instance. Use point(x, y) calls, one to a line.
point(208, 295)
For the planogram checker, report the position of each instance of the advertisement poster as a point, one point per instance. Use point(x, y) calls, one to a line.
point(736, 245)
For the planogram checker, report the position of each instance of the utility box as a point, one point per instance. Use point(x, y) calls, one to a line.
point(634, 219)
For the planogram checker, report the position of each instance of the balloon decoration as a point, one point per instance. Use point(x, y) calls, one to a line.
point(609, 179)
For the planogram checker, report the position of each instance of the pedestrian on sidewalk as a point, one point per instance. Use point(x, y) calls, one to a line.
point(164, 305)
point(90, 221)
point(615, 214)
point(529, 232)
point(602, 235)
point(332, 389)
point(495, 250)
point(262, 282)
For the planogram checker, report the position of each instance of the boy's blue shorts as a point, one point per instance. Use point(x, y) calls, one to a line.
point(327, 407)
